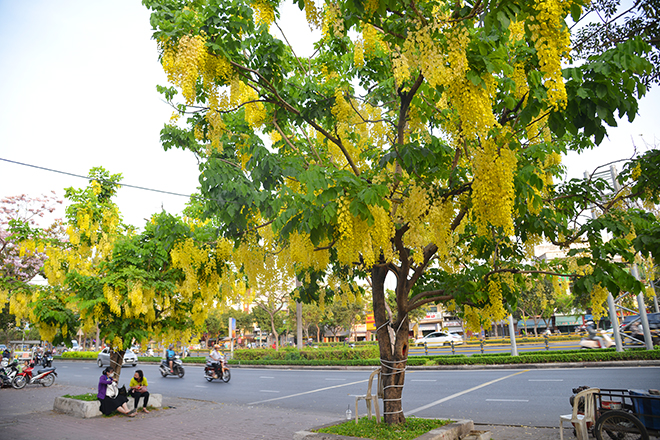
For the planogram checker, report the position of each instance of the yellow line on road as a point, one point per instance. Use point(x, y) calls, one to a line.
point(438, 402)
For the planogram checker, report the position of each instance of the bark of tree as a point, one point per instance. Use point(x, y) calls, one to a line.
point(393, 345)
point(116, 361)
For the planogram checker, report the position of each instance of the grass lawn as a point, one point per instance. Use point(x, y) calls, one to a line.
point(368, 428)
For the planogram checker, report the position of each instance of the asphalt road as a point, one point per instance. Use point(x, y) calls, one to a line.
point(516, 396)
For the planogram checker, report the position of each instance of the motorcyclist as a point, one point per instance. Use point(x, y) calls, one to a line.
point(6, 353)
point(170, 354)
point(592, 335)
point(217, 358)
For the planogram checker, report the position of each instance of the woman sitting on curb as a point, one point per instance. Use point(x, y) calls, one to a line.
point(110, 404)
point(138, 387)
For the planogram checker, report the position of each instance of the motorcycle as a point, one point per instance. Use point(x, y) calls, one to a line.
point(47, 360)
point(210, 370)
point(177, 367)
point(45, 377)
point(8, 373)
point(606, 341)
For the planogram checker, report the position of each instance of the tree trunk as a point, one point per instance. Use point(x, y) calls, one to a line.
point(393, 347)
point(116, 361)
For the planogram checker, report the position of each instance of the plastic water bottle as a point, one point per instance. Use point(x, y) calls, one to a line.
point(349, 413)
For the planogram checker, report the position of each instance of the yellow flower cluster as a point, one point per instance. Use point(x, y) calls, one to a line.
point(400, 67)
point(300, 250)
point(598, 297)
point(312, 14)
point(255, 112)
point(552, 43)
point(358, 54)
point(349, 126)
point(182, 65)
point(474, 107)
point(473, 319)
point(333, 21)
point(520, 78)
point(495, 309)
point(263, 12)
point(413, 211)
point(441, 214)
point(382, 232)
point(112, 299)
point(492, 189)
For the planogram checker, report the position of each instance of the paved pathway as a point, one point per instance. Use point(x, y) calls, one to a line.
point(27, 415)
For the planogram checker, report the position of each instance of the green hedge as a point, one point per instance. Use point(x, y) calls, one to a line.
point(416, 361)
point(80, 354)
point(548, 357)
point(292, 354)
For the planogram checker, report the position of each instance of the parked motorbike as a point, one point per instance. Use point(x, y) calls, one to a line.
point(45, 377)
point(210, 370)
point(177, 367)
point(8, 373)
point(606, 341)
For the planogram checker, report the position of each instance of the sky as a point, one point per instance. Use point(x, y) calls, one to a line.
point(78, 90)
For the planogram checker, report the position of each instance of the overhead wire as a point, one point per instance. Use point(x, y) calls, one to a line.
point(189, 196)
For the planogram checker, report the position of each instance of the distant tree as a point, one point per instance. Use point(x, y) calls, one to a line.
point(607, 23)
point(22, 255)
point(160, 283)
point(341, 317)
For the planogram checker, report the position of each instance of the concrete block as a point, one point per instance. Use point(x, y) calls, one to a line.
point(454, 431)
point(85, 410)
point(478, 435)
point(77, 408)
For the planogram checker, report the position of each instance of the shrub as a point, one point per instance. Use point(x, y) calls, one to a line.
point(329, 353)
point(80, 354)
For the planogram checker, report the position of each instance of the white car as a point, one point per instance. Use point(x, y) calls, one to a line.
point(439, 338)
point(103, 358)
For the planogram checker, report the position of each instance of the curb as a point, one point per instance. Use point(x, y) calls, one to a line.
point(454, 431)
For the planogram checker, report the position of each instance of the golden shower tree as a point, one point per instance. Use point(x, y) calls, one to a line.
point(420, 139)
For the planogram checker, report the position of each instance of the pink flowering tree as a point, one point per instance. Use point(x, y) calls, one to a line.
point(22, 256)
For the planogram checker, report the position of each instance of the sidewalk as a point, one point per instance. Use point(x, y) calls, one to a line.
point(27, 414)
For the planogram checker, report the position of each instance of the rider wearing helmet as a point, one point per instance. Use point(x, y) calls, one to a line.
point(593, 335)
point(169, 354)
point(216, 357)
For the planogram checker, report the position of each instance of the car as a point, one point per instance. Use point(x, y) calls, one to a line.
point(103, 358)
point(439, 338)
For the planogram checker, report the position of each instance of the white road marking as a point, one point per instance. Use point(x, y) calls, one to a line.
point(266, 377)
point(309, 392)
point(506, 400)
point(201, 386)
point(84, 368)
point(268, 391)
point(438, 402)
point(77, 375)
point(342, 380)
point(545, 380)
point(423, 380)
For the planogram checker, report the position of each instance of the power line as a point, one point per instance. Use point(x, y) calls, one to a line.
point(91, 178)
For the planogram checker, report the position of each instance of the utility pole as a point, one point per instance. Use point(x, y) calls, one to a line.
point(299, 342)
